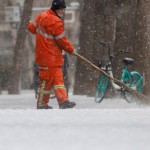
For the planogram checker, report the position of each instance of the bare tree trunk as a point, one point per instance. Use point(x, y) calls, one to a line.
point(142, 39)
point(124, 37)
point(97, 26)
point(83, 72)
point(14, 87)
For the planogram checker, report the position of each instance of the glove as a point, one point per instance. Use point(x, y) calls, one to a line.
point(74, 52)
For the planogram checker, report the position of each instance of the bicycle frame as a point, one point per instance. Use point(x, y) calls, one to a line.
point(125, 77)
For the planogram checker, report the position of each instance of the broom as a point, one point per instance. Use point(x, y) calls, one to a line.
point(140, 97)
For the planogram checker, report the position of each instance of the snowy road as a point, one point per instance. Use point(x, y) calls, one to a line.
point(111, 125)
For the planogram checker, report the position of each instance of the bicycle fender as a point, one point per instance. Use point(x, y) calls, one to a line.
point(135, 73)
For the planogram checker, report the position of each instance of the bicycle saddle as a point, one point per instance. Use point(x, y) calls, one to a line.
point(128, 61)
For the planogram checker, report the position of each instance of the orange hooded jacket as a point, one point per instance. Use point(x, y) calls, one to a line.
point(50, 39)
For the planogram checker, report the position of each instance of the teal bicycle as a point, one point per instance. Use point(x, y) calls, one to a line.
point(133, 79)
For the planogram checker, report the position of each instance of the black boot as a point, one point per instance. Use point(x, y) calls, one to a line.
point(67, 104)
point(44, 107)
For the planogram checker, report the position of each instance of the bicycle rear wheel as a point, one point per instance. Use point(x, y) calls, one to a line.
point(101, 88)
point(137, 84)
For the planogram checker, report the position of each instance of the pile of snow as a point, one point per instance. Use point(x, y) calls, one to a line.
point(113, 124)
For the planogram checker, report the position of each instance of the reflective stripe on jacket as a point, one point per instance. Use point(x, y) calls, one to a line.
point(50, 39)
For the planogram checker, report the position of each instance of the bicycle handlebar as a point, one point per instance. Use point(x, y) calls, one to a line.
point(112, 56)
point(121, 51)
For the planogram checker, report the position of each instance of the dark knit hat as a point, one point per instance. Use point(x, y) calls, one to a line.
point(58, 4)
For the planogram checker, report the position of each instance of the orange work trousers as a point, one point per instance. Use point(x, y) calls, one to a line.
point(51, 77)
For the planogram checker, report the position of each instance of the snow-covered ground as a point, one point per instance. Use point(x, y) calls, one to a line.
point(112, 125)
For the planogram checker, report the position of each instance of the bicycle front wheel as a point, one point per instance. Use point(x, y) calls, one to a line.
point(101, 88)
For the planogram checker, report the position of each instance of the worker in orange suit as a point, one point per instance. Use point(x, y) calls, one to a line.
point(48, 27)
